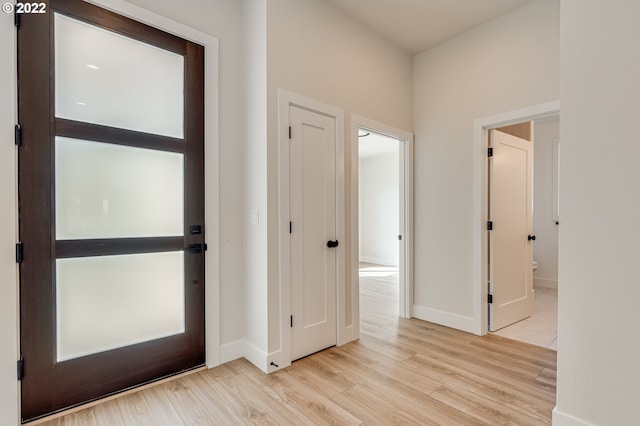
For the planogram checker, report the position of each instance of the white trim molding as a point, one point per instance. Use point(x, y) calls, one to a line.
point(545, 283)
point(380, 261)
point(256, 356)
point(286, 99)
point(232, 350)
point(447, 319)
point(481, 127)
point(559, 418)
point(406, 215)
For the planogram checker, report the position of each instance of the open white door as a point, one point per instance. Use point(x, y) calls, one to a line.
point(313, 242)
point(510, 240)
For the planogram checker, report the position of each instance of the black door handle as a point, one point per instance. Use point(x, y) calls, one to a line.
point(531, 237)
point(332, 244)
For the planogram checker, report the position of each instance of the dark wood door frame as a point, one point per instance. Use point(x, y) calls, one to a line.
point(49, 386)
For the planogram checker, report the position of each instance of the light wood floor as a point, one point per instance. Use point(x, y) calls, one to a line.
point(399, 372)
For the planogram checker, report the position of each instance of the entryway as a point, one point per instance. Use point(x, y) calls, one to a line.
point(311, 223)
point(522, 230)
point(313, 231)
point(380, 235)
point(381, 218)
point(540, 328)
point(111, 188)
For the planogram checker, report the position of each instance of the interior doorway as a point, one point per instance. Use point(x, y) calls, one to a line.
point(313, 238)
point(539, 325)
point(379, 231)
point(381, 218)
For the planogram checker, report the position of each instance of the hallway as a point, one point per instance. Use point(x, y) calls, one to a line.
point(400, 371)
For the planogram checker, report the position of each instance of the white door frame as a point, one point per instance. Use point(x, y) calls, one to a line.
point(285, 100)
point(406, 215)
point(481, 129)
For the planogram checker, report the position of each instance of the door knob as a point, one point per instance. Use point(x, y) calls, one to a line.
point(531, 237)
point(332, 244)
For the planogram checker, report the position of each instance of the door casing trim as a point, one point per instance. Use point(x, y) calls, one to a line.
point(343, 332)
point(406, 215)
point(481, 127)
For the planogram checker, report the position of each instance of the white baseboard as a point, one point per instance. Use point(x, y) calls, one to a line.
point(231, 351)
point(347, 336)
point(545, 282)
point(379, 261)
point(262, 359)
point(256, 356)
point(448, 319)
point(562, 419)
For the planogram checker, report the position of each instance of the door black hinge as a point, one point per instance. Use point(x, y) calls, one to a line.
point(289, 132)
point(16, 19)
point(18, 135)
point(490, 152)
point(19, 253)
point(291, 320)
point(400, 237)
point(490, 225)
point(20, 369)
point(490, 298)
point(290, 228)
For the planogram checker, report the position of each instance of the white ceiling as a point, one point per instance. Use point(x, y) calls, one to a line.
point(375, 144)
point(418, 25)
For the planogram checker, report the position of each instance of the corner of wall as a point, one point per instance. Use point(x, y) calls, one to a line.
point(562, 419)
point(267, 362)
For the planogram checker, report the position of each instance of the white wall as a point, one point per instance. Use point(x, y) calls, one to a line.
point(379, 198)
point(255, 134)
point(317, 51)
point(8, 228)
point(545, 247)
point(223, 20)
point(599, 291)
point(508, 63)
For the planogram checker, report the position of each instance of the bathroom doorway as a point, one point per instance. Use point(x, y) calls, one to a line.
point(540, 328)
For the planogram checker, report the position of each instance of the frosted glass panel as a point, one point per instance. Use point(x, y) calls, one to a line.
point(114, 301)
point(114, 191)
point(104, 78)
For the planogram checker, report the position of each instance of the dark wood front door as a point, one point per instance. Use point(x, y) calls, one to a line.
point(111, 199)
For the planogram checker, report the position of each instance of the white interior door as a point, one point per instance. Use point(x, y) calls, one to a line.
point(510, 253)
point(313, 225)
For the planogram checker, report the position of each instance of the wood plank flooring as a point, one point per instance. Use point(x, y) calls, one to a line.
point(399, 372)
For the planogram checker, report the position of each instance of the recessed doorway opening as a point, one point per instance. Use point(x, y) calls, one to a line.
point(379, 231)
point(544, 214)
point(381, 224)
point(539, 327)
